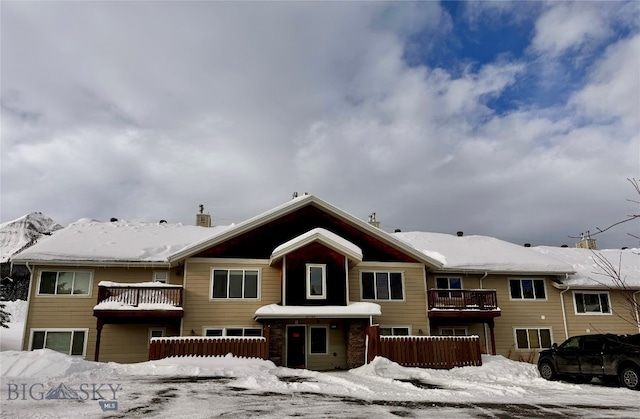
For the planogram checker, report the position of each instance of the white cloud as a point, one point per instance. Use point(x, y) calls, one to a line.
point(613, 86)
point(236, 105)
point(571, 26)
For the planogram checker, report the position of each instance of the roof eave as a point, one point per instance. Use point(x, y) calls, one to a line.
point(500, 272)
point(93, 263)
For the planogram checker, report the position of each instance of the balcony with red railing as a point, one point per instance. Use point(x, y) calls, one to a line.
point(462, 303)
point(147, 299)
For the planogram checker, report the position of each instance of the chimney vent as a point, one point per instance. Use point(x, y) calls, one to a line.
point(202, 219)
point(294, 195)
point(586, 242)
point(373, 221)
point(460, 233)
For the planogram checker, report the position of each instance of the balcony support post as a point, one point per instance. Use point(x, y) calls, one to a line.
point(99, 325)
point(493, 336)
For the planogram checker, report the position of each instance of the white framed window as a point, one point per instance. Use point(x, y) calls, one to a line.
point(318, 340)
point(156, 332)
point(232, 331)
point(449, 282)
point(161, 276)
point(591, 302)
point(235, 283)
point(316, 281)
point(376, 285)
point(395, 330)
point(453, 331)
point(71, 283)
point(527, 289)
point(67, 341)
point(532, 338)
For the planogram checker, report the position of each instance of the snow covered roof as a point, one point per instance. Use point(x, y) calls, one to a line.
point(482, 254)
point(323, 236)
point(118, 242)
point(353, 310)
point(588, 265)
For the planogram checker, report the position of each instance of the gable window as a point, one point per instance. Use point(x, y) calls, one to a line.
point(234, 283)
point(66, 341)
point(318, 340)
point(65, 283)
point(382, 286)
point(161, 276)
point(395, 331)
point(533, 338)
point(316, 281)
point(527, 289)
point(592, 302)
point(233, 331)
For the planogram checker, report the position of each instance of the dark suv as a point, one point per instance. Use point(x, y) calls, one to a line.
point(606, 356)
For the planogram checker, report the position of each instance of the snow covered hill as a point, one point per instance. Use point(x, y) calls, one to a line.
point(23, 232)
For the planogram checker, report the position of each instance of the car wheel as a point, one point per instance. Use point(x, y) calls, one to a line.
point(630, 378)
point(547, 371)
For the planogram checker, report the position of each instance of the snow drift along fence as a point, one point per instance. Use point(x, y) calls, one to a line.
point(208, 346)
point(443, 352)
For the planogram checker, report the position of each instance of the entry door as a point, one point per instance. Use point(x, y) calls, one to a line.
point(296, 338)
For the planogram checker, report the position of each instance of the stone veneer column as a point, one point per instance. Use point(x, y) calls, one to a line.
point(356, 342)
point(276, 342)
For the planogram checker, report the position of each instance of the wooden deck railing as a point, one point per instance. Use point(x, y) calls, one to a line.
point(447, 299)
point(209, 346)
point(134, 296)
point(442, 352)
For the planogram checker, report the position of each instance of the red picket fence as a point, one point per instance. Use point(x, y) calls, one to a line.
point(209, 346)
point(442, 352)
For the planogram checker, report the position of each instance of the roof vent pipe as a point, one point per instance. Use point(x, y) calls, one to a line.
point(460, 233)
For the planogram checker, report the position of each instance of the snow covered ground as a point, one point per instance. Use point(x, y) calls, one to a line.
point(45, 383)
point(11, 338)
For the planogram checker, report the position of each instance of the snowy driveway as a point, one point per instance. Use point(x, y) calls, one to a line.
point(44, 383)
point(206, 397)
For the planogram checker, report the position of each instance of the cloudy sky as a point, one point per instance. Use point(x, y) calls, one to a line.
point(519, 121)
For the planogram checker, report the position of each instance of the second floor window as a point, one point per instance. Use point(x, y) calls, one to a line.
point(592, 302)
point(382, 286)
point(527, 289)
point(234, 283)
point(65, 283)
